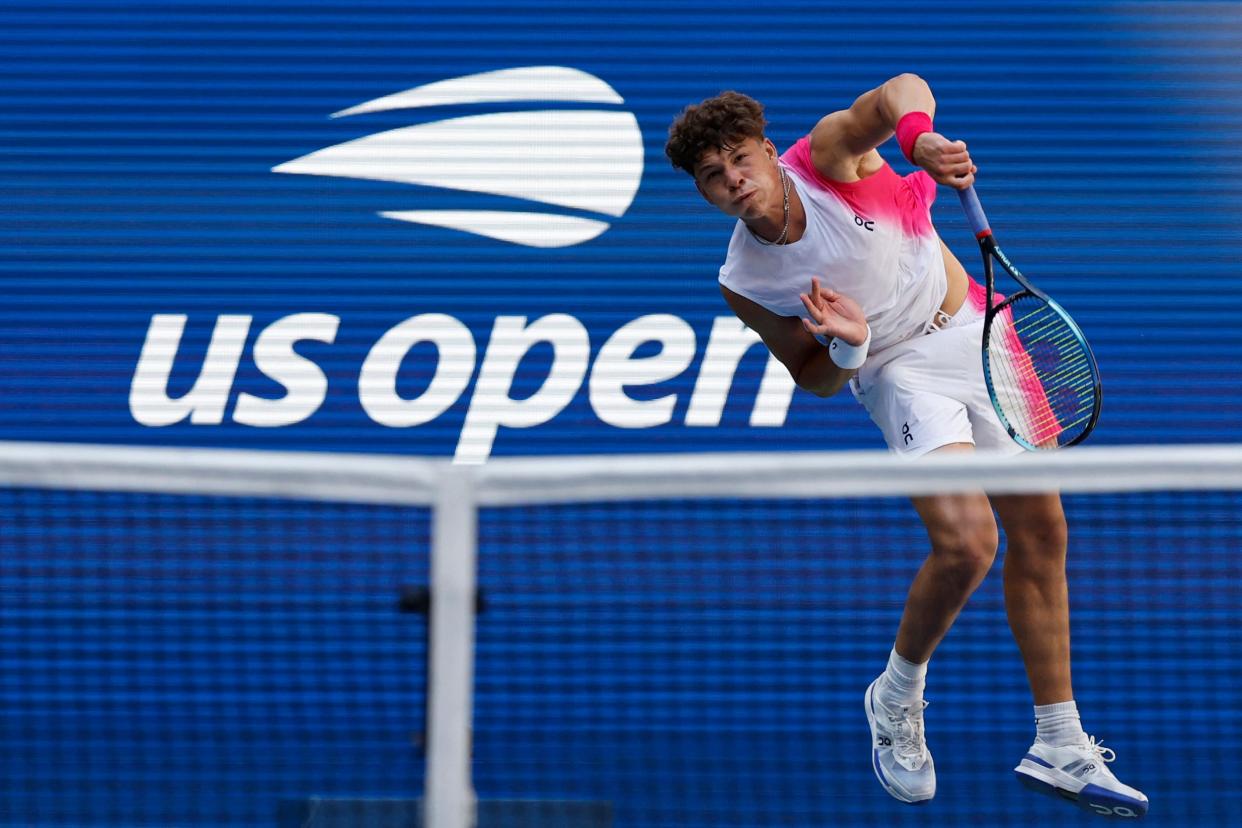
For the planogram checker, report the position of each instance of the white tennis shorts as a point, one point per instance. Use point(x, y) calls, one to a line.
point(928, 391)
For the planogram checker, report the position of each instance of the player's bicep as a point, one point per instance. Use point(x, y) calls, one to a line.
point(844, 137)
point(784, 336)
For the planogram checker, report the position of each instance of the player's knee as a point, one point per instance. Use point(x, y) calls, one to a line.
point(968, 549)
point(1044, 536)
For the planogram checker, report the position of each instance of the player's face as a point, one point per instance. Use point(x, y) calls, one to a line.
point(742, 181)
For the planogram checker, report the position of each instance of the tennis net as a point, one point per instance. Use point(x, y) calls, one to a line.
point(191, 637)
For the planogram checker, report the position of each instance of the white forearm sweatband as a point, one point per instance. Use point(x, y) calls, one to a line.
point(848, 356)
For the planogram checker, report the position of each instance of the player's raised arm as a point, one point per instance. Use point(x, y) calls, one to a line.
point(843, 144)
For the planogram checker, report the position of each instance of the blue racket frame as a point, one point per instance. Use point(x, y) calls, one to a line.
point(991, 251)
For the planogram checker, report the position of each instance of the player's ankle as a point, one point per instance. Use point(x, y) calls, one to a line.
point(1058, 725)
point(904, 680)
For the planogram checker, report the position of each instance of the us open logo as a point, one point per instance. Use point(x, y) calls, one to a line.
point(589, 160)
point(578, 160)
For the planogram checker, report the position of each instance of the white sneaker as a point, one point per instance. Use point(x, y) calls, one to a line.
point(1078, 773)
point(899, 754)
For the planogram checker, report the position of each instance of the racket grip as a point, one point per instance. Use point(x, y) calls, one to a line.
point(974, 212)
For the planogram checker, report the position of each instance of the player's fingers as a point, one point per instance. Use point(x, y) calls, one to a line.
point(845, 311)
point(815, 289)
point(961, 182)
point(812, 308)
point(811, 327)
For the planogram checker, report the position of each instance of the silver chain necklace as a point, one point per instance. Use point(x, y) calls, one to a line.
point(785, 230)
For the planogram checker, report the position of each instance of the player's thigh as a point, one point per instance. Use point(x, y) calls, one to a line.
point(913, 417)
point(1034, 522)
point(959, 524)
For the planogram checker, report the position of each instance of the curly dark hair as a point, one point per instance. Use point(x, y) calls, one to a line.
point(720, 122)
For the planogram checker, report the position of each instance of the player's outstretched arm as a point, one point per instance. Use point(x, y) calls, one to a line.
point(843, 144)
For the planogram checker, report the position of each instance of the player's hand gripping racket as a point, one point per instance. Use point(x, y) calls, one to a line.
point(1040, 372)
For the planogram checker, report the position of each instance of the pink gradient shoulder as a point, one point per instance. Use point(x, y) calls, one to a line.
point(883, 196)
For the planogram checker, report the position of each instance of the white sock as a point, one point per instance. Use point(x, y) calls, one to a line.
point(904, 679)
point(1058, 724)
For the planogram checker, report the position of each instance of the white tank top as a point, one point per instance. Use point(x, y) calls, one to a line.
point(870, 239)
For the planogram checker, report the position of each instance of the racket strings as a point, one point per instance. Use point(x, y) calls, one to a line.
point(1042, 374)
point(1050, 383)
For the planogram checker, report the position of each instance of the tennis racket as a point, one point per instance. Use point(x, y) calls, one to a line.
point(1039, 369)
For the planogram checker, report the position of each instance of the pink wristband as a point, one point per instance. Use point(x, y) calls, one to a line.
point(909, 128)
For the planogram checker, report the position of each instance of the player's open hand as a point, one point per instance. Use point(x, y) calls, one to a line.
point(833, 314)
point(948, 162)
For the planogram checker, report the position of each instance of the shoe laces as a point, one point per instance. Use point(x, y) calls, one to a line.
point(1105, 754)
point(908, 740)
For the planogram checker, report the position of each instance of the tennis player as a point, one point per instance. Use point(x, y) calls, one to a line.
point(835, 263)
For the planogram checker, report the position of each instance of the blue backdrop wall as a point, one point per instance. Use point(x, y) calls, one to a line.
point(144, 214)
point(140, 143)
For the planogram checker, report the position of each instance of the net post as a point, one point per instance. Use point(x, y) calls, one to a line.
point(449, 798)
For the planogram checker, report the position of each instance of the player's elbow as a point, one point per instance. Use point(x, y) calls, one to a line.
point(827, 390)
point(904, 92)
point(907, 80)
point(817, 390)
point(823, 389)
point(821, 386)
